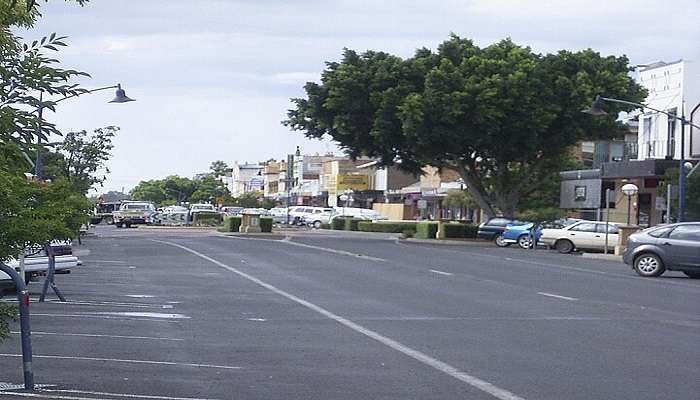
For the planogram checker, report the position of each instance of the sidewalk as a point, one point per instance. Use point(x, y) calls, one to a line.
point(601, 256)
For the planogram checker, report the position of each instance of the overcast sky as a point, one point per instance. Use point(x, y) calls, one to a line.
point(213, 78)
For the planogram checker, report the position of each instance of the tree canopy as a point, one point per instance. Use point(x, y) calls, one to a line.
point(502, 116)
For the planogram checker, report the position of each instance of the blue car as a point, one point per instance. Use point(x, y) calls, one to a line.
point(520, 234)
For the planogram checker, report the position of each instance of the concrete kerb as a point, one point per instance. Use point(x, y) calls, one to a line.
point(447, 242)
point(600, 256)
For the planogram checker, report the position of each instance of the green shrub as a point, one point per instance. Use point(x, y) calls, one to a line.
point(266, 224)
point(387, 227)
point(206, 219)
point(325, 226)
point(351, 224)
point(231, 224)
point(460, 230)
point(338, 223)
point(426, 230)
point(408, 233)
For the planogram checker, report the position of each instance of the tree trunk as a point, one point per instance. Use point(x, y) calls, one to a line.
point(478, 195)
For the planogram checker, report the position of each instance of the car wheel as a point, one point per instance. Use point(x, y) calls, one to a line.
point(564, 246)
point(524, 241)
point(499, 241)
point(317, 224)
point(119, 224)
point(692, 274)
point(649, 265)
point(128, 224)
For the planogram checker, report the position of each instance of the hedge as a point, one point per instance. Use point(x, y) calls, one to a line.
point(426, 230)
point(338, 223)
point(351, 224)
point(325, 226)
point(460, 230)
point(231, 224)
point(206, 219)
point(266, 224)
point(387, 227)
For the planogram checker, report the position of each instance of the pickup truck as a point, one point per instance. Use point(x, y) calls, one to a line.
point(37, 263)
point(134, 212)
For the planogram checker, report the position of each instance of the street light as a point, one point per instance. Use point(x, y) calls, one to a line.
point(119, 97)
point(596, 108)
point(629, 190)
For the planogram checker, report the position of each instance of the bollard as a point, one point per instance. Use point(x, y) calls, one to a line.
point(23, 300)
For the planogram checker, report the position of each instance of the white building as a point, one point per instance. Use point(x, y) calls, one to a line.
point(245, 178)
point(675, 88)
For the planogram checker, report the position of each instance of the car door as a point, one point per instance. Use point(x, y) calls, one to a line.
point(582, 235)
point(599, 237)
point(683, 246)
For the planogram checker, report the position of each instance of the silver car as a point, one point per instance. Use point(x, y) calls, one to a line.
point(674, 247)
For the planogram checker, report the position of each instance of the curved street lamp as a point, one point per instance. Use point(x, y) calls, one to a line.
point(119, 97)
point(596, 108)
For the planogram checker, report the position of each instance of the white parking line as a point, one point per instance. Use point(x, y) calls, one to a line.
point(288, 240)
point(131, 396)
point(94, 335)
point(556, 296)
point(441, 366)
point(119, 360)
point(105, 304)
point(119, 318)
point(441, 272)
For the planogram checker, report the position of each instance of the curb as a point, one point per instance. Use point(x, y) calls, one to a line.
point(599, 256)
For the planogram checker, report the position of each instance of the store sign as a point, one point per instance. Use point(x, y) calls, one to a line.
point(352, 182)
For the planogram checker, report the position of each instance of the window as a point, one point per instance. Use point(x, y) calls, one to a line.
point(657, 233)
point(579, 193)
point(686, 232)
point(498, 222)
point(584, 227)
point(612, 229)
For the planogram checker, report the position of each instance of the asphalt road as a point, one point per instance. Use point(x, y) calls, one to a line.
point(163, 314)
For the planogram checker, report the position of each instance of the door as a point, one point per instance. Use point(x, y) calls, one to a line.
point(683, 246)
point(583, 235)
point(599, 237)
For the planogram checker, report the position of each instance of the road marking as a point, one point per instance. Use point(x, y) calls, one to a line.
point(46, 394)
point(140, 296)
point(441, 272)
point(105, 304)
point(119, 360)
point(142, 314)
point(100, 336)
point(556, 296)
point(257, 319)
point(133, 396)
point(441, 366)
point(288, 240)
point(102, 317)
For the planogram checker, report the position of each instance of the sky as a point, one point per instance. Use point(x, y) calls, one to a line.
point(213, 78)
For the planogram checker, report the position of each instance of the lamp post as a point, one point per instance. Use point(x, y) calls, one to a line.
point(119, 97)
point(344, 198)
point(597, 109)
point(629, 190)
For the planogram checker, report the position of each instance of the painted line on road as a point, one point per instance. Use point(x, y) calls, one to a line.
point(124, 395)
point(127, 361)
point(288, 240)
point(441, 366)
point(441, 272)
point(94, 335)
point(556, 296)
point(121, 318)
point(106, 304)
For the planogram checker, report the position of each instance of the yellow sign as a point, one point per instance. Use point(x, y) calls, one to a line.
point(352, 182)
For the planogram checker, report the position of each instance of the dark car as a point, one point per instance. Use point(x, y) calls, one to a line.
point(493, 230)
point(673, 247)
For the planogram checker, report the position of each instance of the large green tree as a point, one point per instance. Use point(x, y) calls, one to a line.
point(501, 116)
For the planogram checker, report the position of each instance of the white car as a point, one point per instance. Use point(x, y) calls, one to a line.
point(36, 265)
point(197, 208)
point(366, 214)
point(317, 219)
point(589, 235)
point(298, 215)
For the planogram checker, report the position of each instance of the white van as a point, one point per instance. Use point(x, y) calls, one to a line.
point(360, 213)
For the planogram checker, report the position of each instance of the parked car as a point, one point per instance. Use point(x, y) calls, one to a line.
point(589, 235)
point(669, 247)
point(134, 212)
point(317, 219)
point(520, 234)
point(36, 261)
point(279, 215)
point(297, 214)
point(367, 214)
point(493, 230)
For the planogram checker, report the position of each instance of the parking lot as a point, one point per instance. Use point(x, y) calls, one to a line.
point(187, 314)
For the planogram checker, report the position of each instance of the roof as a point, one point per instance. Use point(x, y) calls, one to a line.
point(658, 64)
